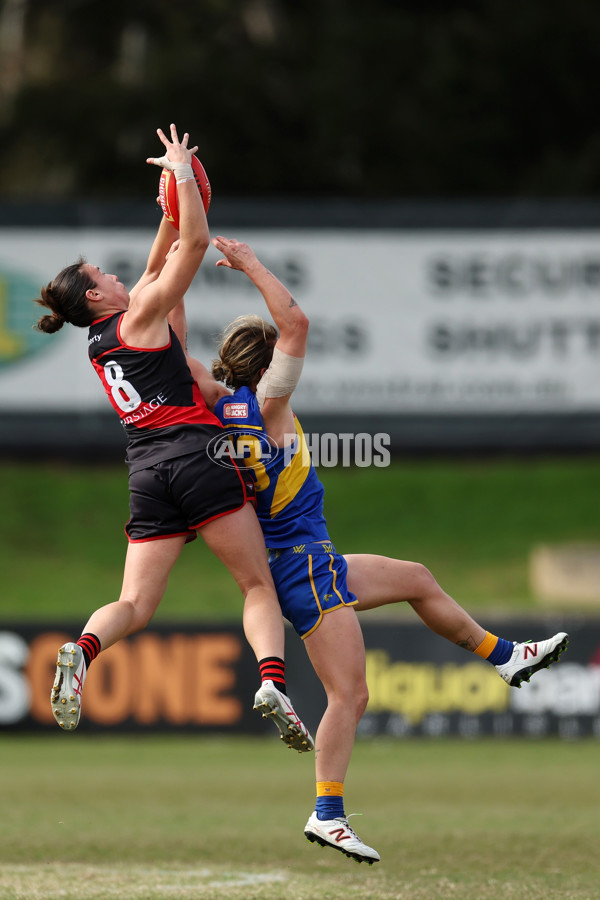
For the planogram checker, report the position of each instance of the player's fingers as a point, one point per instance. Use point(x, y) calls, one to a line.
point(163, 137)
point(159, 161)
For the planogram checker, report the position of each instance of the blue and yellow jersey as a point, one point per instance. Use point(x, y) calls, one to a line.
point(289, 495)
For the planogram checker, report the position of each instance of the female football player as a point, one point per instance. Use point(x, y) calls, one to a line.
point(320, 590)
point(175, 490)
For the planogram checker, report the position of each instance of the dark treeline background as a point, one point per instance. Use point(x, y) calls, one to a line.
point(316, 97)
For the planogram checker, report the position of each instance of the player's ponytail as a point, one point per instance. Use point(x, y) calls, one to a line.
point(65, 298)
point(50, 324)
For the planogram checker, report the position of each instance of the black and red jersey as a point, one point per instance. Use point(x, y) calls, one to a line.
point(153, 391)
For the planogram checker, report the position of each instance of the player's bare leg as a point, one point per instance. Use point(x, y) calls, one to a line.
point(147, 568)
point(379, 580)
point(337, 653)
point(238, 542)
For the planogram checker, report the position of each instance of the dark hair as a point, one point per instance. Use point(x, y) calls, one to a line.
point(65, 297)
point(246, 349)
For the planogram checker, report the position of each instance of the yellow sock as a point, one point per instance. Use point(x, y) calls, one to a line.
point(330, 789)
point(487, 645)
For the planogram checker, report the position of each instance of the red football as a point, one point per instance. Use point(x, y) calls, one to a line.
point(167, 191)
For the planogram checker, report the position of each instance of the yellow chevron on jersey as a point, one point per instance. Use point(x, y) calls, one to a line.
point(250, 449)
point(289, 495)
point(293, 476)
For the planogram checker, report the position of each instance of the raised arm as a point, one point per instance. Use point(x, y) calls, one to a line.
point(145, 322)
point(287, 315)
point(275, 388)
point(166, 236)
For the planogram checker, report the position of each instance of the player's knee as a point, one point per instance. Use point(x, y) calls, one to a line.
point(362, 699)
point(426, 583)
point(139, 615)
point(258, 588)
point(357, 698)
point(351, 694)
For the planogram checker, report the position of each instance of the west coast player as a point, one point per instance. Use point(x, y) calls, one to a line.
point(320, 590)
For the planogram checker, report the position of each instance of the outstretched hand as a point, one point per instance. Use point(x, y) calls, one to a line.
point(237, 255)
point(176, 151)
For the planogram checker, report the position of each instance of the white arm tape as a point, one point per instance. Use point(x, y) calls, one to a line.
point(281, 378)
point(182, 171)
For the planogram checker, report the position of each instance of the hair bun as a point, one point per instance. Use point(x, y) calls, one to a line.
point(218, 371)
point(51, 323)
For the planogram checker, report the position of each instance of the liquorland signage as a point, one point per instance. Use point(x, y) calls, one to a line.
point(203, 679)
point(401, 322)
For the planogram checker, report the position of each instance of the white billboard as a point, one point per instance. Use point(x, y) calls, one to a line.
point(422, 322)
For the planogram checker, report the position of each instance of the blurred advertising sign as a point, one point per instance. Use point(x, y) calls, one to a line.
point(422, 686)
point(419, 684)
point(183, 678)
point(401, 321)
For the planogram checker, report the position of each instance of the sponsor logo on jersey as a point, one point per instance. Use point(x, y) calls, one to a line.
point(235, 411)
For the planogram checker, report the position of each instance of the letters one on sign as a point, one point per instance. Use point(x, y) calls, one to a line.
point(129, 682)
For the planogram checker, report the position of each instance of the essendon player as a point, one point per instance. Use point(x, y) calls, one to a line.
point(176, 489)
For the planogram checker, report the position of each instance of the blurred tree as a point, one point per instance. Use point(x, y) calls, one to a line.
point(327, 97)
point(12, 37)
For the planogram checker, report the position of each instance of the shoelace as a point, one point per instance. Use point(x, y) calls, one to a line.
point(349, 827)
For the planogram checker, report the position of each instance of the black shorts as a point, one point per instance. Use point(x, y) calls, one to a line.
point(179, 495)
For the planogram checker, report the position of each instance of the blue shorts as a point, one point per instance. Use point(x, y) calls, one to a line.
point(310, 580)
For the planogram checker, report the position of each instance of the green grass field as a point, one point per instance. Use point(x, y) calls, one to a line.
point(157, 818)
point(152, 818)
point(473, 524)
